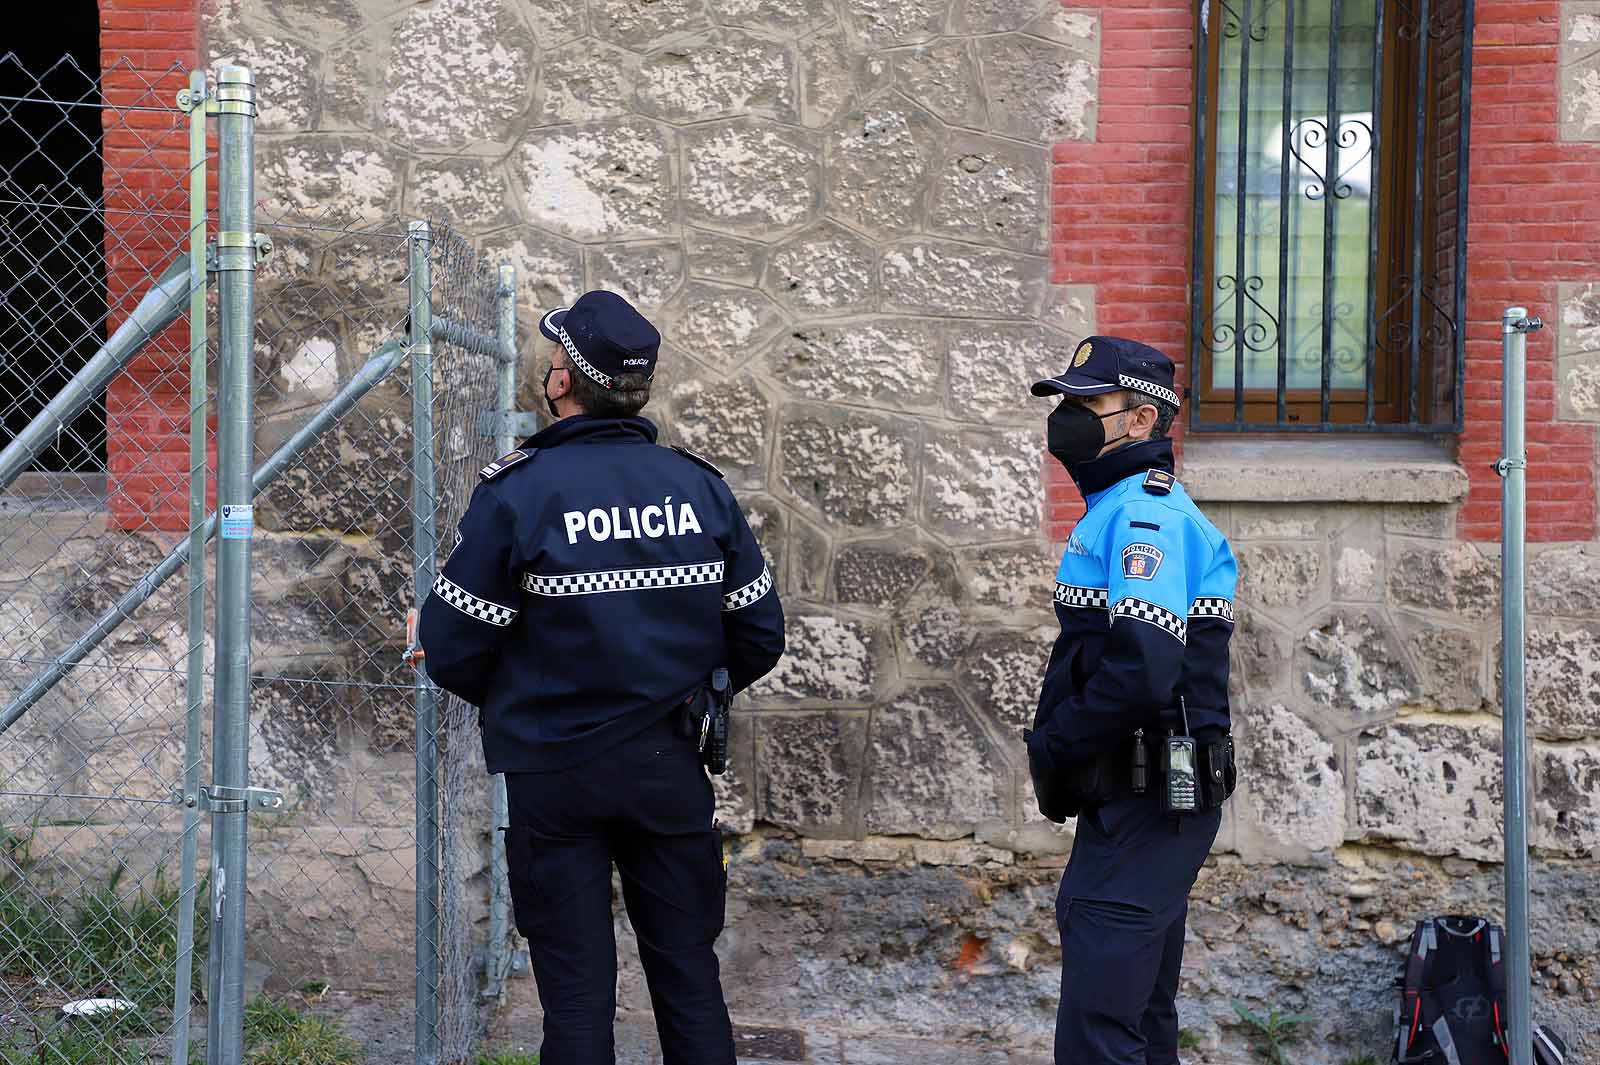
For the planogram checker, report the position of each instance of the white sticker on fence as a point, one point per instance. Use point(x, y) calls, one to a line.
point(238, 521)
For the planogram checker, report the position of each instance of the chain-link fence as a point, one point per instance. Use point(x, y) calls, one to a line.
point(94, 282)
point(342, 538)
point(383, 354)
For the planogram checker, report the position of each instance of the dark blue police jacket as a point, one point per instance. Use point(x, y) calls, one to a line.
point(596, 581)
point(1144, 596)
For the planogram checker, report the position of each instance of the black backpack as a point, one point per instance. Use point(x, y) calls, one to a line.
point(1452, 1007)
point(1452, 1004)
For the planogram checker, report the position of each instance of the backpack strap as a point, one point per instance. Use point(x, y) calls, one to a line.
point(1409, 1022)
point(1446, 1041)
point(1497, 985)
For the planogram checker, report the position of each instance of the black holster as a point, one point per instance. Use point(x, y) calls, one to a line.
point(705, 718)
point(1218, 774)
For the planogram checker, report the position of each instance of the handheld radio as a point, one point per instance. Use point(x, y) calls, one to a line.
point(714, 726)
point(1181, 794)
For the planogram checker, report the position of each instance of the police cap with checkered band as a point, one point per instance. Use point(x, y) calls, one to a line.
point(604, 337)
point(1107, 364)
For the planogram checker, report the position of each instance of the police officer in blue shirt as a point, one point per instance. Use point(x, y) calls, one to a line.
point(1132, 731)
point(596, 582)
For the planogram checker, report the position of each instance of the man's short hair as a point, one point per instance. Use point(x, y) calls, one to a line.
point(1166, 413)
point(628, 394)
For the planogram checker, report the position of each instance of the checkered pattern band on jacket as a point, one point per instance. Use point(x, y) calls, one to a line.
point(471, 605)
point(624, 580)
point(589, 369)
point(1084, 598)
point(1149, 613)
point(1212, 607)
point(749, 593)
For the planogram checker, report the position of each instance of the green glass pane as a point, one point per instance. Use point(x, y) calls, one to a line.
point(1268, 295)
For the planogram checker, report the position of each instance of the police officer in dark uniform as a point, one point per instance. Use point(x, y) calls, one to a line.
point(1132, 731)
point(596, 583)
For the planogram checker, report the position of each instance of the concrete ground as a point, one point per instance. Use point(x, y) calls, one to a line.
point(519, 1024)
point(383, 1027)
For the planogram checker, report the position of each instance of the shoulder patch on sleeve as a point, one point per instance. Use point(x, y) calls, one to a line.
point(1159, 482)
point(692, 457)
point(1140, 561)
point(505, 462)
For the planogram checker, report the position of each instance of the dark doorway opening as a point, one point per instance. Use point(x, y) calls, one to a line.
point(52, 226)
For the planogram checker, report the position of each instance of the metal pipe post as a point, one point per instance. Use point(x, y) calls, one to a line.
point(382, 363)
point(419, 241)
point(499, 884)
point(195, 685)
point(230, 756)
point(159, 308)
point(1512, 467)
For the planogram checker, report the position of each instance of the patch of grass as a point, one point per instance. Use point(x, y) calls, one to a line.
point(278, 1034)
point(1361, 1059)
point(1188, 1040)
point(106, 943)
point(101, 945)
point(508, 1057)
point(77, 1044)
point(1271, 1034)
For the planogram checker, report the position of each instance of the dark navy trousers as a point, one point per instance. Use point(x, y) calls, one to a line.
point(645, 805)
point(1121, 911)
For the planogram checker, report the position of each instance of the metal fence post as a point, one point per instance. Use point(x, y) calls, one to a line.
point(499, 962)
point(1512, 468)
point(419, 241)
point(236, 258)
point(194, 692)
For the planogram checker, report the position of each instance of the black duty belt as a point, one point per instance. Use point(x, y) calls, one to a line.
point(1112, 775)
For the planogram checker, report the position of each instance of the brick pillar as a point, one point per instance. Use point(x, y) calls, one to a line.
point(147, 48)
point(1121, 205)
point(1534, 221)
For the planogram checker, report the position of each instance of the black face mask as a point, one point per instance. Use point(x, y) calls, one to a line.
point(1075, 434)
point(547, 400)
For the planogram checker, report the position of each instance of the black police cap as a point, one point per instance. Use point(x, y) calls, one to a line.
point(1109, 364)
point(604, 336)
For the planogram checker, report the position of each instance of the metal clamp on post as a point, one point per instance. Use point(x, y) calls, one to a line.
point(189, 99)
point(221, 800)
point(235, 94)
point(518, 423)
point(241, 251)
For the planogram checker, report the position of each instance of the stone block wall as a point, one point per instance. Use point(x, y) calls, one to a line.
point(841, 217)
point(864, 227)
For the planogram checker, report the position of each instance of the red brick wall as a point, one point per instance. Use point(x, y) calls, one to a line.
point(1534, 221)
point(1121, 219)
point(1121, 206)
point(146, 48)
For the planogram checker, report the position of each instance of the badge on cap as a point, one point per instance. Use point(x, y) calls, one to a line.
point(1085, 350)
point(1140, 561)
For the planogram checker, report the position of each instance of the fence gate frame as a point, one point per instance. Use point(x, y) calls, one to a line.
point(483, 326)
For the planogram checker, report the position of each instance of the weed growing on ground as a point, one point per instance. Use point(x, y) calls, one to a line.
point(1188, 1040)
point(1272, 1033)
point(278, 1034)
point(107, 943)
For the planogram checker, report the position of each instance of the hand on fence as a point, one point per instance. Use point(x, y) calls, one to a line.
point(413, 654)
